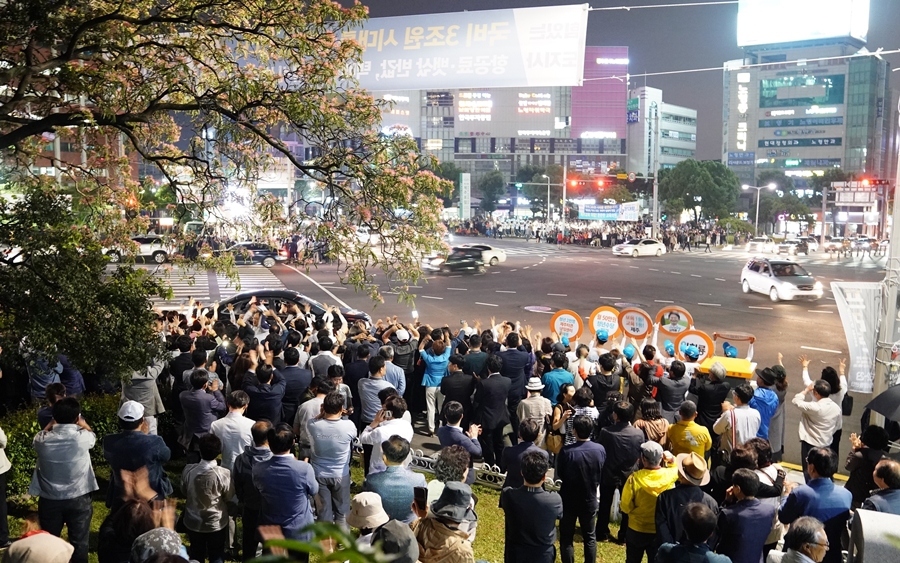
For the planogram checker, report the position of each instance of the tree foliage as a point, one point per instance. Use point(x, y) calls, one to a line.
point(708, 185)
point(450, 172)
point(211, 95)
point(57, 295)
point(492, 186)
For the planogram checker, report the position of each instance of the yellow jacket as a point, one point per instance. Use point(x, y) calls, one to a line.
point(639, 496)
point(687, 437)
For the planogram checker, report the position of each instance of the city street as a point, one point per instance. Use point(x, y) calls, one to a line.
point(584, 278)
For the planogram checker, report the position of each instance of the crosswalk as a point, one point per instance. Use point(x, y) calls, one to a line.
point(867, 262)
point(209, 287)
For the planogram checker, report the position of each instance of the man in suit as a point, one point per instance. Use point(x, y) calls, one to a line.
point(452, 434)
point(201, 406)
point(514, 367)
point(580, 466)
point(266, 391)
point(745, 524)
point(491, 394)
point(177, 367)
point(459, 386)
point(353, 373)
point(131, 449)
point(511, 462)
point(285, 485)
point(622, 442)
point(296, 382)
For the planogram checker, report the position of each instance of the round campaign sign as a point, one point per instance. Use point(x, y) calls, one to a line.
point(674, 320)
point(567, 323)
point(696, 338)
point(635, 322)
point(605, 318)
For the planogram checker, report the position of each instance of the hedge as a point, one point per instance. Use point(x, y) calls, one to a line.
point(21, 426)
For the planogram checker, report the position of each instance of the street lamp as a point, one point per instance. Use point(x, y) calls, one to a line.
point(770, 186)
point(547, 214)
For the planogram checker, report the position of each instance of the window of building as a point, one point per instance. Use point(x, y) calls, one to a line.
point(677, 152)
point(822, 90)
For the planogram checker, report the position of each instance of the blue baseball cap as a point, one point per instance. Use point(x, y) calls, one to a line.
point(669, 347)
point(602, 335)
point(629, 351)
point(692, 351)
point(565, 341)
point(730, 351)
point(682, 347)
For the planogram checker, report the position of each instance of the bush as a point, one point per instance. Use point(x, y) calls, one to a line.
point(21, 426)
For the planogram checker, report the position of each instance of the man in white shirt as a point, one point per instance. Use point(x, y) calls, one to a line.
point(738, 420)
point(234, 429)
point(819, 418)
point(388, 422)
point(325, 358)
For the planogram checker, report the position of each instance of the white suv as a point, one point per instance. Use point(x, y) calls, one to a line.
point(780, 280)
point(149, 246)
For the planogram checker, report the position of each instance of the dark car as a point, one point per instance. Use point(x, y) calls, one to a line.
point(255, 253)
point(274, 299)
point(464, 260)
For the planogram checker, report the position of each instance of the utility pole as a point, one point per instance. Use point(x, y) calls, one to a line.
point(565, 209)
point(824, 204)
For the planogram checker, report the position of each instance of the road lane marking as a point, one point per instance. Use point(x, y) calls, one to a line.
point(322, 287)
point(514, 270)
point(755, 307)
point(662, 301)
point(486, 304)
point(526, 267)
point(503, 291)
point(820, 349)
point(825, 312)
point(696, 276)
point(676, 273)
point(558, 294)
point(457, 289)
point(653, 269)
point(613, 298)
point(710, 304)
point(719, 279)
point(415, 286)
point(327, 283)
point(456, 276)
point(635, 267)
point(429, 297)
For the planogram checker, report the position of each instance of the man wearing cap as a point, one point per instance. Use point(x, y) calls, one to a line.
point(711, 392)
point(744, 521)
point(693, 473)
point(437, 529)
point(554, 379)
point(366, 514)
point(530, 514)
point(405, 347)
point(687, 436)
point(602, 336)
point(535, 406)
point(639, 501)
point(764, 400)
point(131, 449)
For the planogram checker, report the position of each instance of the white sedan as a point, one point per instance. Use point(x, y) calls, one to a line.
point(489, 254)
point(640, 247)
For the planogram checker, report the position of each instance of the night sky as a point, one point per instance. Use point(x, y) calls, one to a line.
point(665, 39)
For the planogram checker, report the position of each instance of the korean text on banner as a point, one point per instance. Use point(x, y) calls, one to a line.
point(465, 196)
point(480, 49)
point(859, 305)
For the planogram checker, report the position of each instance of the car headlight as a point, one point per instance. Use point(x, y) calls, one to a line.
point(818, 286)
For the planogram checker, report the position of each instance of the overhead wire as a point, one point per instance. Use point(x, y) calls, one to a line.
point(679, 5)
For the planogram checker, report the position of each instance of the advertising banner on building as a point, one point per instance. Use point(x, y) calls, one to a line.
point(465, 196)
point(610, 212)
point(482, 49)
point(859, 304)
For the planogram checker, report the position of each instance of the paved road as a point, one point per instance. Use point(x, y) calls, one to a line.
point(582, 279)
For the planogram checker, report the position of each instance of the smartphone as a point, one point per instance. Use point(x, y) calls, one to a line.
point(415, 314)
point(420, 494)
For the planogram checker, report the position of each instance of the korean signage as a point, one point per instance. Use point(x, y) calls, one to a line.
point(534, 103)
point(614, 212)
point(490, 48)
point(801, 122)
point(741, 158)
point(567, 323)
point(822, 142)
point(465, 196)
point(859, 305)
point(474, 106)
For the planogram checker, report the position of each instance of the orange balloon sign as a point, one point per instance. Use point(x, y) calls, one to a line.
point(605, 318)
point(567, 323)
point(635, 322)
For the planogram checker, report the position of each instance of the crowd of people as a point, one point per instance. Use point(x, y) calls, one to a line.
point(272, 402)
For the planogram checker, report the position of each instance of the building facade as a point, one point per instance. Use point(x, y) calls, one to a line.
point(659, 135)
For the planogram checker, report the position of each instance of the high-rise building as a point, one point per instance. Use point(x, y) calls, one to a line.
point(806, 97)
point(660, 135)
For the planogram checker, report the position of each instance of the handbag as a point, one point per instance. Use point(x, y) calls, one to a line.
point(554, 441)
point(847, 405)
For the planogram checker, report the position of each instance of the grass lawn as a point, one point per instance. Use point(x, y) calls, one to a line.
point(488, 545)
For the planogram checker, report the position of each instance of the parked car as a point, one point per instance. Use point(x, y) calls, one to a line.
point(153, 247)
point(274, 299)
point(793, 246)
point(780, 280)
point(640, 247)
point(760, 244)
point(863, 243)
point(255, 253)
point(489, 255)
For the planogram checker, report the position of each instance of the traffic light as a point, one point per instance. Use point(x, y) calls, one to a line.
point(518, 184)
point(573, 183)
point(599, 183)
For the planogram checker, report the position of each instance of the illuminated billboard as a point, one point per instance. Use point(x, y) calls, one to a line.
point(766, 22)
point(518, 47)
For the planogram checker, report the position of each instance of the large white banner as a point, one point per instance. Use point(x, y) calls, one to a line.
point(859, 304)
point(482, 49)
point(465, 196)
